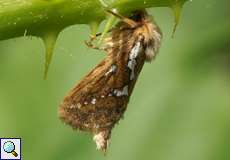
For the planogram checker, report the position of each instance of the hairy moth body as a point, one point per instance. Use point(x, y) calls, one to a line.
point(100, 99)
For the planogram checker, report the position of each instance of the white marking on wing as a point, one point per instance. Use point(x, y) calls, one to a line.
point(123, 92)
point(132, 59)
point(111, 70)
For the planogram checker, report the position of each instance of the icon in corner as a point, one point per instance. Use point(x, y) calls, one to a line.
point(10, 149)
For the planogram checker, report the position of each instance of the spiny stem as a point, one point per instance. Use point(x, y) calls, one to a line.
point(35, 16)
point(46, 18)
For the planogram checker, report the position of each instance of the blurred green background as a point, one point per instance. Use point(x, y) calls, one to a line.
point(180, 108)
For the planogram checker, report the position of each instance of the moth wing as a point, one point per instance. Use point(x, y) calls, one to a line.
point(92, 104)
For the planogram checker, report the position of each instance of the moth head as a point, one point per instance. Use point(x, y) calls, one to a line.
point(150, 32)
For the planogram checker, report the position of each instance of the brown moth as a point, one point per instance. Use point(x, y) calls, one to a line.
point(100, 99)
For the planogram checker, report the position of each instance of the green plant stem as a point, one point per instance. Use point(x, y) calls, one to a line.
point(35, 17)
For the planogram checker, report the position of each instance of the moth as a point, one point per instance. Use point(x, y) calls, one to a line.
point(100, 99)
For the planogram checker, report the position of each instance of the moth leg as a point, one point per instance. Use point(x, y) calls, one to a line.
point(93, 37)
point(128, 21)
point(105, 47)
point(90, 42)
point(91, 45)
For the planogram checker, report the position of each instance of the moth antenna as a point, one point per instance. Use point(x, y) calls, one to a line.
point(128, 21)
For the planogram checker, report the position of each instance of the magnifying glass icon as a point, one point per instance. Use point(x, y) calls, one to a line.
point(9, 147)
